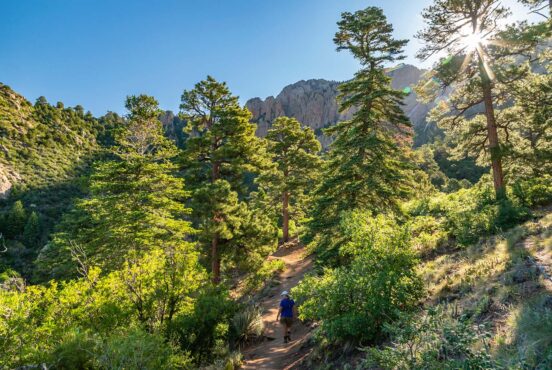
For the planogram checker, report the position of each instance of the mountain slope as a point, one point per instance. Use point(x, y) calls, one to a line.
point(44, 149)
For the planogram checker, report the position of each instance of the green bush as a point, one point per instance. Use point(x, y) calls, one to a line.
point(248, 324)
point(427, 233)
point(256, 280)
point(534, 192)
point(435, 339)
point(78, 350)
point(353, 302)
point(205, 331)
point(136, 349)
point(468, 214)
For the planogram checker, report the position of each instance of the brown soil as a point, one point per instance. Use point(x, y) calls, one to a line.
point(272, 352)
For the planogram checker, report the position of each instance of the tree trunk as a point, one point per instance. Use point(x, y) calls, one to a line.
point(492, 133)
point(285, 217)
point(215, 257)
point(215, 260)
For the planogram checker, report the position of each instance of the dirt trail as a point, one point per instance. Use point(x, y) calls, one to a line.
point(272, 353)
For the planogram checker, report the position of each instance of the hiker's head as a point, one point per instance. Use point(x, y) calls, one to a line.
point(285, 294)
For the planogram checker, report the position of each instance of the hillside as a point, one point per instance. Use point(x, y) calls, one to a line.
point(488, 304)
point(43, 151)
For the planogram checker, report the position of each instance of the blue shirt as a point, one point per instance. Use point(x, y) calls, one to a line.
point(287, 307)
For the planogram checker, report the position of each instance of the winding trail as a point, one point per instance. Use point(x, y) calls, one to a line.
point(272, 353)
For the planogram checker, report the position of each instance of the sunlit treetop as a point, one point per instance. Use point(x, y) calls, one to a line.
point(368, 36)
point(460, 26)
point(465, 33)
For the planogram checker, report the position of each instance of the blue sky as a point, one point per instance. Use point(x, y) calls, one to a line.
point(95, 52)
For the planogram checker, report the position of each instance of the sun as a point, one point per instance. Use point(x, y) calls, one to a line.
point(472, 41)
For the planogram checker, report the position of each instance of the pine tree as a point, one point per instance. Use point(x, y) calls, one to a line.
point(539, 7)
point(31, 232)
point(136, 204)
point(220, 156)
point(15, 220)
point(480, 66)
point(294, 150)
point(367, 166)
point(531, 125)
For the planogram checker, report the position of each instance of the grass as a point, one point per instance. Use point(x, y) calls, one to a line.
point(259, 280)
point(496, 282)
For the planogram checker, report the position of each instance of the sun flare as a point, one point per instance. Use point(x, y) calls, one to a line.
point(472, 41)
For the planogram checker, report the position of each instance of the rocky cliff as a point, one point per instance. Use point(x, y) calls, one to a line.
point(314, 104)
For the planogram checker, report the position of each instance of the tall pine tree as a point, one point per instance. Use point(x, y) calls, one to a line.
point(136, 204)
point(15, 220)
point(481, 66)
point(367, 166)
point(31, 232)
point(221, 155)
point(295, 151)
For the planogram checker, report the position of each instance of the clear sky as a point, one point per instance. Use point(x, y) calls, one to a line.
point(95, 52)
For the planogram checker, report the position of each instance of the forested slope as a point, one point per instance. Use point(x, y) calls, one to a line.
point(43, 151)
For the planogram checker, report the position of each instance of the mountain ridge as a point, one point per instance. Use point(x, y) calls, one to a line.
point(313, 102)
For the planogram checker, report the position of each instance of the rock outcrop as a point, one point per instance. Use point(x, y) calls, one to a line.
point(5, 183)
point(314, 104)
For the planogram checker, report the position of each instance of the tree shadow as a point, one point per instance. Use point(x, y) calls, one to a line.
point(50, 201)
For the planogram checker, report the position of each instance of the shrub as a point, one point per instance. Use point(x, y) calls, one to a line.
point(353, 302)
point(136, 349)
point(268, 270)
point(205, 332)
point(247, 324)
point(536, 191)
point(427, 232)
point(469, 214)
point(77, 350)
point(434, 339)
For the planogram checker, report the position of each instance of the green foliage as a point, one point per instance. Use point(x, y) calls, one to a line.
point(535, 191)
point(455, 167)
point(42, 144)
point(132, 349)
point(15, 220)
point(428, 233)
point(294, 151)
point(135, 204)
point(76, 350)
point(45, 149)
point(259, 278)
point(150, 292)
point(468, 214)
point(353, 302)
point(137, 349)
point(217, 161)
point(433, 339)
point(247, 324)
point(205, 331)
point(142, 135)
point(531, 124)
point(31, 232)
point(367, 165)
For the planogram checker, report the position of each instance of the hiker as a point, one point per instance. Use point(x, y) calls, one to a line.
point(285, 314)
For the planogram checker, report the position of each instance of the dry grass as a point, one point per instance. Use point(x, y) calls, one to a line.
point(497, 282)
